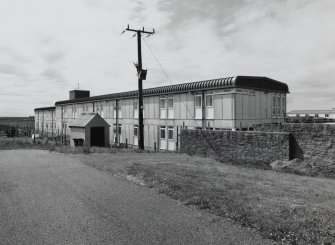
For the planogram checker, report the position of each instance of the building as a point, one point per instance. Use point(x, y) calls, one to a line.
point(233, 103)
point(45, 121)
point(89, 129)
point(312, 113)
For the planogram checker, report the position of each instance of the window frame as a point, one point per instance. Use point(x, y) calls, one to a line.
point(168, 104)
point(207, 96)
point(195, 101)
point(162, 129)
point(160, 103)
point(170, 128)
point(136, 130)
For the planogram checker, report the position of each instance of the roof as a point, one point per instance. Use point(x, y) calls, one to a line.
point(311, 112)
point(248, 82)
point(45, 108)
point(85, 118)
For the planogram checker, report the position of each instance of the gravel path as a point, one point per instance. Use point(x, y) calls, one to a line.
point(51, 198)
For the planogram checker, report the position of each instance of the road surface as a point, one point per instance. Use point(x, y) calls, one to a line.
point(52, 198)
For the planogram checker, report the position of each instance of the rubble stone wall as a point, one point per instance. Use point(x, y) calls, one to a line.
point(250, 146)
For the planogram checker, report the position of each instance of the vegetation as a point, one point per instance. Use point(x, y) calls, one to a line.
point(283, 207)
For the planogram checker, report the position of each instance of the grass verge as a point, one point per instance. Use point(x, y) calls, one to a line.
point(283, 207)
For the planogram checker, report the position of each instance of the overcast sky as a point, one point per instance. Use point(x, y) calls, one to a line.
point(47, 47)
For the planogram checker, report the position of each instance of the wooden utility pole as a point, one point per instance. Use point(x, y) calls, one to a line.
point(141, 76)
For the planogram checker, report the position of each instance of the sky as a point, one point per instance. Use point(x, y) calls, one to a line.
point(48, 47)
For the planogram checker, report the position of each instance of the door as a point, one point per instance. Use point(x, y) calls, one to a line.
point(171, 143)
point(98, 136)
point(163, 142)
point(135, 134)
point(198, 107)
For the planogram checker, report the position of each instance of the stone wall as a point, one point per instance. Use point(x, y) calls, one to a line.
point(311, 142)
point(251, 146)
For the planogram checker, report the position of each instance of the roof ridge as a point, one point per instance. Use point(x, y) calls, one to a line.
point(218, 83)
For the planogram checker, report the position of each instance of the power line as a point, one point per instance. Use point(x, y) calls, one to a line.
point(153, 54)
point(163, 70)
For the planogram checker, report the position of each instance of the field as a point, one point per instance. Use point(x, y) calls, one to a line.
point(17, 121)
point(16, 126)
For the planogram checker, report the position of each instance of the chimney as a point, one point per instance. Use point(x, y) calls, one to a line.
point(77, 94)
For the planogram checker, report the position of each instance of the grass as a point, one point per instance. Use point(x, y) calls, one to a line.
point(22, 143)
point(45, 144)
point(283, 207)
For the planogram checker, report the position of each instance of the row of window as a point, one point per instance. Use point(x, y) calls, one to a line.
point(165, 103)
point(47, 125)
point(162, 131)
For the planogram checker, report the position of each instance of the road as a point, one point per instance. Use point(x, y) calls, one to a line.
point(52, 198)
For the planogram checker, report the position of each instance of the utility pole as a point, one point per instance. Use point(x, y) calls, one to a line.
point(141, 76)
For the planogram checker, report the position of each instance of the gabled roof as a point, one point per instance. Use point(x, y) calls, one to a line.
point(248, 82)
point(311, 112)
point(86, 118)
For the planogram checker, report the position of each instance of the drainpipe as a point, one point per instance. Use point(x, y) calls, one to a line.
point(203, 110)
point(234, 112)
point(117, 122)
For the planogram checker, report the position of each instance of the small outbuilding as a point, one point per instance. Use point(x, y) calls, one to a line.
point(89, 129)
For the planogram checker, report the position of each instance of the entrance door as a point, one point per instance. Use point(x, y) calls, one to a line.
point(171, 144)
point(163, 138)
point(98, 136)
point(135, 134)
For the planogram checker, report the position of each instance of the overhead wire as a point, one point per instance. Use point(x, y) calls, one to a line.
point(155, 57)
point(164, 72)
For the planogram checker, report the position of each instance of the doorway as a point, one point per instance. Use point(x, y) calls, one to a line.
point(98, 136)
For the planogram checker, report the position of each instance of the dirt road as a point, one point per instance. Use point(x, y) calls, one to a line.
point(51, 198)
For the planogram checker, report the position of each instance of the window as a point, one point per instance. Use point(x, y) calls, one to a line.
point(74, 111)
point(135, 104)
point(316, 115)
point(198, 106)
point(170, 102)
point(278, 106)
point(170, 108)
point(118, 108)
point(283, 105)
point(135, 130)
point(101, 104)
point(326, 115)
point(162, 135)
point(162, 103)
point(135, 108)
point(64, 111)
point(109, 109)
point(114, 128)
point(198, 101)
point(162, 106)
point(209, 100)
point(209, 106)
point(170, 133)
point(274, 106)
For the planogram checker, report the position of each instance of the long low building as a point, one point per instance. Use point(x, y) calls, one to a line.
point(233, 103)
point(312, 113)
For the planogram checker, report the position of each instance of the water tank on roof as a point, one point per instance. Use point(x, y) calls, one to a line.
point(77, 94)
